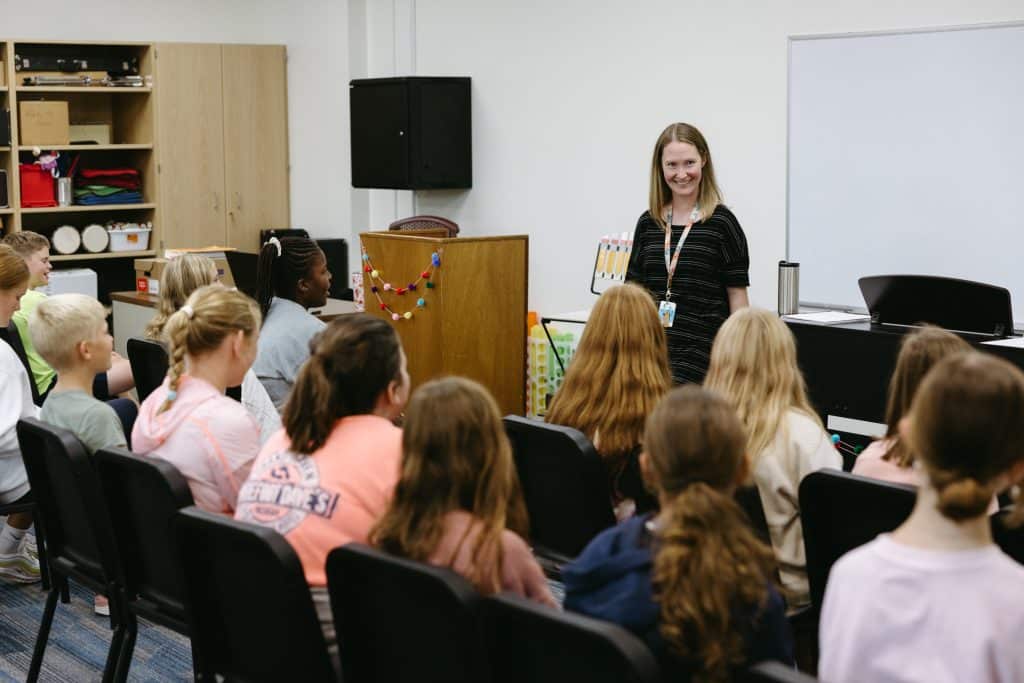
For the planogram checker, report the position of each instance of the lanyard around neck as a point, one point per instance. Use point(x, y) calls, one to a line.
point(672, 261)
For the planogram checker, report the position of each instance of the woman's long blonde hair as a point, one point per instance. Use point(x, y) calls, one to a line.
point(618, 374)
point(455, 456)
point(919, 352)
point(709, 566)
point(753, 366)
point(708, 194)
point(182, 276)
point(209, 315)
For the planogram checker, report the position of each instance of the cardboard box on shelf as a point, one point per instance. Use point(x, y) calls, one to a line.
point(147, 274)
point(44, 123)
point(216, 254)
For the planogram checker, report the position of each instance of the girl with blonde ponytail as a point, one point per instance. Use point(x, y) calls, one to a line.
point(327, 477)
point(937, 600)
point(753, 367)
point(188, 420)
point(693, 581)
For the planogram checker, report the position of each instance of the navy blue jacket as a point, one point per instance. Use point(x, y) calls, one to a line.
point(611, 580)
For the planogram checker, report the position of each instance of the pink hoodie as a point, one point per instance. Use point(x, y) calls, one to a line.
point(210, 437)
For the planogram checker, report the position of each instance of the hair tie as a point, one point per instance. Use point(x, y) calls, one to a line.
point(277, 243)
point(188, 311)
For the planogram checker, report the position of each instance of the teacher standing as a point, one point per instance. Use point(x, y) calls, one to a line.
point(689, 251)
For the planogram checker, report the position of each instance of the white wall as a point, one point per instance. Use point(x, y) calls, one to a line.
point(315, 33)
point(569, 96)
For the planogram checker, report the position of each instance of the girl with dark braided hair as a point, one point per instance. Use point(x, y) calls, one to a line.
point(188, 421)
point(292, 277)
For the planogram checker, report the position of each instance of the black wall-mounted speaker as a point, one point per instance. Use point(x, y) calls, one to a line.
point(411, 133)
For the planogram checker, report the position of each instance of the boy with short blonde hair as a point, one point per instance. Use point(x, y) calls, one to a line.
point(70, 332)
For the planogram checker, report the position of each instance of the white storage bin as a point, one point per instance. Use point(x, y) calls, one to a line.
point(71, 281)
point(129, 239)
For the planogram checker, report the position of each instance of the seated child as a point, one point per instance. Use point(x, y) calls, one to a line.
point(753, 366)
point(188, 421)
point(889, 458)
point(19, 560)
point(35, 249)
point(339, 443)
point(182, 276)
point(617, 375)
point(936, 600)
point(292, 276)
point(693, 581)
point(458, 502)
point(70, 332)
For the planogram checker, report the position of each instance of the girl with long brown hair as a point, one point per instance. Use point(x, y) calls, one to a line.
point(188, 420)
point(458, 503)
point(327, 477)
point(694, 581)
point(889, 458)
point(937, 600)
point(618, 374)
point(753, 367)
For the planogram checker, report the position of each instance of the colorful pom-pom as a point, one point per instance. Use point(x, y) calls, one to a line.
point(383, 307)
point(430, 285)
point(425, 275)
point(374, 273)
point(366, 257)
point(395, 316)
point(412, 287)
point(421, 303)
point(368, 269)
point(407, 315)
point(387, 286)
point(436, 260)
point(835, 438)
point(373, 289)
point(400, 291)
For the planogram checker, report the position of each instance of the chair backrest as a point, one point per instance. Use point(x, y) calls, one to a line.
point(415, 223)
point(249, 608)
point(1009, 539)
point(776, 672)
point(149, 363)
point(144, 495)
point(564, 482)
point(70, 502)
point(10, 335)
point(749, 498)
point(530, 642)
point(841, 511)
point(403, 621)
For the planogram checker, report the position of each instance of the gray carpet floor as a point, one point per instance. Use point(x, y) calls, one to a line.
point(79, 640)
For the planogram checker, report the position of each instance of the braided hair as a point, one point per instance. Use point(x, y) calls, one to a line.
point(282, 263)
point(210, 314)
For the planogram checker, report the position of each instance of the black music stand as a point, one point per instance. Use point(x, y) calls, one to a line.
point(959, 305)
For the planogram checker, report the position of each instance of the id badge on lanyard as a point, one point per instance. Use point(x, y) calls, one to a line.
point(667, 307)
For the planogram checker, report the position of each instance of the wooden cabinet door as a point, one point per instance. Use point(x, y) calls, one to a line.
point(190, 124)
point(255, 142)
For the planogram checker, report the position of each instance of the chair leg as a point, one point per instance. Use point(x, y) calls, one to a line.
point(124, 659)
point(44, 633)
point(114, 653)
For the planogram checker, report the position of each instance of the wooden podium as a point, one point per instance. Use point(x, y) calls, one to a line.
point(473, 322)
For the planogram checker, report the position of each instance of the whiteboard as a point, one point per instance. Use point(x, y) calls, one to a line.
point(906, 156)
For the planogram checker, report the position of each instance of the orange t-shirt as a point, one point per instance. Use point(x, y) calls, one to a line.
point(329, 498)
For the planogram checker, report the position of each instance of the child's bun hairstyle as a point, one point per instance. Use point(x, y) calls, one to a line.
point(967, 429)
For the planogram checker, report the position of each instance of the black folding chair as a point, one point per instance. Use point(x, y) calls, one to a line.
point(79, 535)
point(149, 363)
point(841, 511)
point(403, 621)
point(527, 641)
point(564, 482)
point(143, 497)
point(10, 335)
point(1009, 539)
point(249, 608)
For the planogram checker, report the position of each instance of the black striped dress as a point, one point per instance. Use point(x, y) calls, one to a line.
point(714, 257)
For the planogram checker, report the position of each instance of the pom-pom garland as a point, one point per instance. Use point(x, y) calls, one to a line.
point(378, 284)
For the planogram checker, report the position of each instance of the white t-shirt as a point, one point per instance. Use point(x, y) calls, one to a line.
point(15, 403)
point(896, 613)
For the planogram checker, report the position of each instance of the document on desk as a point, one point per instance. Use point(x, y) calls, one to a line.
point(1015, 342)
point(829, 317)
